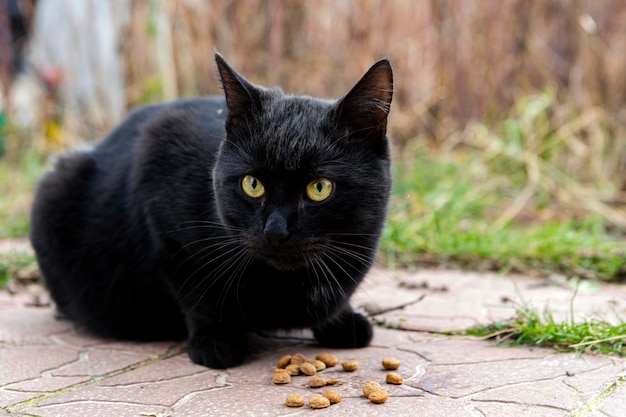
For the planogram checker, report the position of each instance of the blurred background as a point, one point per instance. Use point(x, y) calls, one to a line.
point(508, 118)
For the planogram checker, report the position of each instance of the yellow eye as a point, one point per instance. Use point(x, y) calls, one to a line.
point(319, 189)
point(252, 186)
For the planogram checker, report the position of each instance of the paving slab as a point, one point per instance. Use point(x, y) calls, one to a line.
point(50, 368)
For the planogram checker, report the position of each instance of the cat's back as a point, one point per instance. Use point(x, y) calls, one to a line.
point(92, 187)
point(207, 113)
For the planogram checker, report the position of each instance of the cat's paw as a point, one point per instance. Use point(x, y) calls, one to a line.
point(349, 330)
point(219, 354)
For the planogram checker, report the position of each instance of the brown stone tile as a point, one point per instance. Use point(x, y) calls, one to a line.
point(551, 393)
point(30, 325)
point(446, 350)
point(507, 409)
point(18, 363)
point(460, 380)
point(164, 392)
point(47, 383)
point(162, 370)
point(270, 401)
point(89, 408)
point(100, 362)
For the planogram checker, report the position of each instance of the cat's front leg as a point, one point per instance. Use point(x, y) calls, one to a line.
point(345, 330)
point(216, 346)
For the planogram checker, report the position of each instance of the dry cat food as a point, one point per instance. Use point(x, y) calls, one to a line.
point(281, 376)
point(333, 396)
point(328, 359)
point(370, 387)
point(350, 365)
point(319, 401)
point(391, 363)
point(378, 396)
point(295, 400)
point(317, 382)
point(283, 362)
point(293, 369)
point(319, 365)
point(297, 359)
point(298, 364)
point(394, 378)
point(308, 369)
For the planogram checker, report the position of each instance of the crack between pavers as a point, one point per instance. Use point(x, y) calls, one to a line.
point(509, 385)
point(220, 379)
point(3, 413)
point(567, 384)
point(45, 371)
point(553, 407)
point(16, 407)
point(471, 408)
point(598, 400)
point(479, 362)
point(148, 382)
point(419, 355)
point(104, 402)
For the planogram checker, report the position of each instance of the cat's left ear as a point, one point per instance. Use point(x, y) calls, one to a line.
point(242, 97)
point(366, 107)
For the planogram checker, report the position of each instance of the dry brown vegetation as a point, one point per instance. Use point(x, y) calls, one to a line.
point(454, 60)
point(547, 75)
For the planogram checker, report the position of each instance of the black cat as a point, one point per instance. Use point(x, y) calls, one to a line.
point(210, 218)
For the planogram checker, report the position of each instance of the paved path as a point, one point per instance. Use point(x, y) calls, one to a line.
point(49, 368)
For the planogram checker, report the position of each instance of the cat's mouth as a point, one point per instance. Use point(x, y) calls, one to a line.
point(288, 256)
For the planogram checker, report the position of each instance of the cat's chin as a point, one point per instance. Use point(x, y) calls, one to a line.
point(282, 261)
point(285, 264)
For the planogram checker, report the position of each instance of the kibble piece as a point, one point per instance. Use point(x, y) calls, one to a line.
point(316, 382)
point(370, 387)
point(293, 369)
point(308, 369)
point(350, 365)
point(319, 365)
point(319, 402)
point(295, 400)
point(332, 381)
point(391, 363)
point(298, 359)
point(283, 362)
point(328, 359)
point(333, 396)
point(378, 397)
point(394, 378)
point(281, 376)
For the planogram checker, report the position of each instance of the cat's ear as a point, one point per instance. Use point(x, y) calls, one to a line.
point(242, 97)
point(366, 107)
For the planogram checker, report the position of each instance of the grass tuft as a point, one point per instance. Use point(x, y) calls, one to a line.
point(531, 328)
point(11, 263)
point(17, 183)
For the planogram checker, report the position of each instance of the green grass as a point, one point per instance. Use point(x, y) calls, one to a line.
point(533, 193)
point(445, 211)
point(12, 262)
point(17, 183)
point(531, 328)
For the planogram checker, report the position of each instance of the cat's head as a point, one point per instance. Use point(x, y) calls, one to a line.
point(304, 181)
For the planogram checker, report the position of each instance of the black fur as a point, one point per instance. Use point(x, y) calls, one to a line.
point(150, 235)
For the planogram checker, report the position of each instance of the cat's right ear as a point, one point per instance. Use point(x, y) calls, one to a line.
point(242, 97)
point(366, 107)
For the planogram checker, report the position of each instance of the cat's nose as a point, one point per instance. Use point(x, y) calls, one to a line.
point(276, 229)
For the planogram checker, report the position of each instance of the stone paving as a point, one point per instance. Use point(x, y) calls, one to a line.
point(49, 368)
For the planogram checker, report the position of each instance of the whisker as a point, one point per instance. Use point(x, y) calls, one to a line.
point(204, 265)
point(212, 278)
